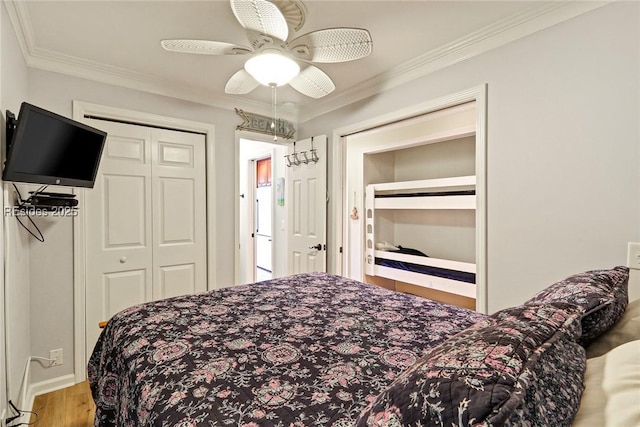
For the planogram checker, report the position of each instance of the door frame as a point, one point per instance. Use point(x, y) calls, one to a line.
point(82, 109)
point(252, 195)
point(341, 216)
point(251, 136)
point(254, 211)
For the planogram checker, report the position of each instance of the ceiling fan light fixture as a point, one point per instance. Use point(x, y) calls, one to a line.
point(272, 68)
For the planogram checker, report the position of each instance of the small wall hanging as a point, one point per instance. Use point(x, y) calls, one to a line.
point(280, 191)
point(262, 124)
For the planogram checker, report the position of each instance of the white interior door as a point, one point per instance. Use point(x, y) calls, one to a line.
point(306, 187)
point(145, 221)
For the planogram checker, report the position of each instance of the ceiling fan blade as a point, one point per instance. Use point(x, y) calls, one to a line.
point(332, 45)
point(294, 11)
point(241, 83)
point(204, 47)
point(313, 82)
point(261, 16)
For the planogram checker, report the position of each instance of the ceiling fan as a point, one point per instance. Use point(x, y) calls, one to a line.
point(274, 57)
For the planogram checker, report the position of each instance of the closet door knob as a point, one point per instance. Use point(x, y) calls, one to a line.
point(123, 260)
point(317, 247)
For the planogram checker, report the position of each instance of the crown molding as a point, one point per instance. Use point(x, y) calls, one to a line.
point(490, 37)
point(539, 17)
point(47, 60)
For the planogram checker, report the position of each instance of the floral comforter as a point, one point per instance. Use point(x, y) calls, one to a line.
point(306, 350)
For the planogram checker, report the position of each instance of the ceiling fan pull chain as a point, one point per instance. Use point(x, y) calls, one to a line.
point(275, 119)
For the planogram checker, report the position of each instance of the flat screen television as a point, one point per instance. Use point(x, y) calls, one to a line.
point(46, 148)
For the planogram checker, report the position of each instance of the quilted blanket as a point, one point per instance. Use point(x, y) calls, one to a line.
point(305, 350)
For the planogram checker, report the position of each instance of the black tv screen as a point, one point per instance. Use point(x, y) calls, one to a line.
point(47, 148)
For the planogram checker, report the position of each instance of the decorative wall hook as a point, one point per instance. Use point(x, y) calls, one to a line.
point(354, 213)
point(296, 160)
point(314, 155)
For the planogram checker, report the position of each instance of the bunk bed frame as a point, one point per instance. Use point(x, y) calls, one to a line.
point(433, 273)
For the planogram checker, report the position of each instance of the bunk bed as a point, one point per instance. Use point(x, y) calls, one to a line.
point(447, 275)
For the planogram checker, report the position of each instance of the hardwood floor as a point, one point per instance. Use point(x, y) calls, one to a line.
point(69, 407)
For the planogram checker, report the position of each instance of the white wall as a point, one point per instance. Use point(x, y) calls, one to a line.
point(14, 296)
point(3, 365)
point(563, 148)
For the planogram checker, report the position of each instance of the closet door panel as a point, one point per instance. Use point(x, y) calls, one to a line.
point(179, 223)
point(123, 289)
point(177, 213)
point(177, 280)
point(125, 207)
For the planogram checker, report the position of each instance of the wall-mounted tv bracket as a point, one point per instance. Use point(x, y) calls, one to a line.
point(11, 128)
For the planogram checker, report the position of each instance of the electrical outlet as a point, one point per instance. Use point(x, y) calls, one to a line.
point(633, 256)
point(57, 356)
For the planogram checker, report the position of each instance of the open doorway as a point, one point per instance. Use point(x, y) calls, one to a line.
point(261, 213)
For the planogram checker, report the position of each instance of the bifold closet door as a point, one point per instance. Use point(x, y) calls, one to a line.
point(145, 221)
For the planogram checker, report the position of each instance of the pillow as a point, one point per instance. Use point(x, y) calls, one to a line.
point(612, 382)
point(591, 412)
point(602, 294)
point(621, 384)
point(625, 330)
point(519, 366)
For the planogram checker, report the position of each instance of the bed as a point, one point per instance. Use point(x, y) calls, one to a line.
point(322, 350)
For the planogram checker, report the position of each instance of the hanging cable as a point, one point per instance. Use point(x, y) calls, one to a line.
point(18, 414)
point(21, 206)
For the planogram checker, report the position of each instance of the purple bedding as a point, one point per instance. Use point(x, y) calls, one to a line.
point(306, 350)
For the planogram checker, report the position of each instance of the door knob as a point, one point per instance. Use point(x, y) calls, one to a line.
point(123, 260)
point(317, 247)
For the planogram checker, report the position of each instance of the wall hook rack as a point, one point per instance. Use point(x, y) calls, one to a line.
point(296, 158)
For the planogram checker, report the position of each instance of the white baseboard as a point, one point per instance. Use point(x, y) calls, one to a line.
point(37, 389)
point(47, 386)
point(43, 387)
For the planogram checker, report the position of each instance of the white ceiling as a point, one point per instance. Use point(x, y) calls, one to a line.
point(118, 42)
